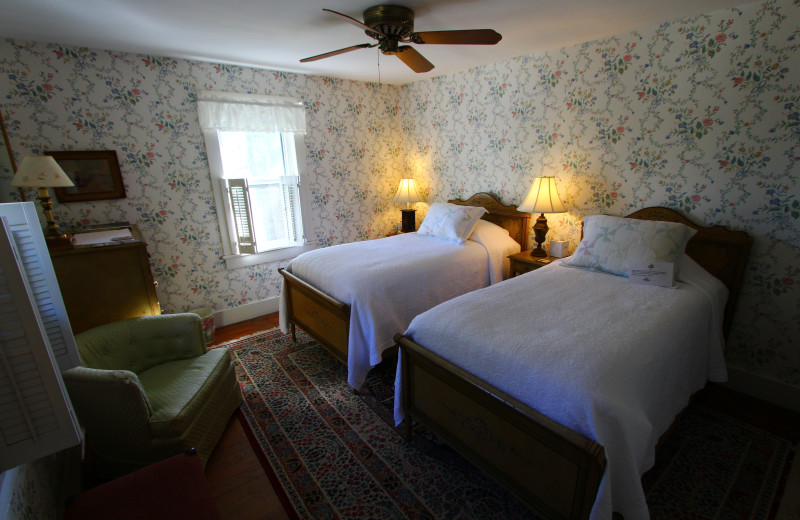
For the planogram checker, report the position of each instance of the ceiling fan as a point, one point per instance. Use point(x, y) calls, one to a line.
point(391, 25)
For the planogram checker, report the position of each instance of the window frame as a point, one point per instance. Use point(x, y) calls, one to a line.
point(227, 225)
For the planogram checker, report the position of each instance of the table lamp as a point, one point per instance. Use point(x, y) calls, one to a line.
point(407, 192)
point(543, 198)
point(42, 172)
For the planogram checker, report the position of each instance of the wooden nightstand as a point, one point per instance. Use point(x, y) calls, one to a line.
point(523, 262)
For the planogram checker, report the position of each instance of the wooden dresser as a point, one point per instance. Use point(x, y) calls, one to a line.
point(101, 284)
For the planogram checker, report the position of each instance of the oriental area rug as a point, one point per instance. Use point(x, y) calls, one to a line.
point(332, 453)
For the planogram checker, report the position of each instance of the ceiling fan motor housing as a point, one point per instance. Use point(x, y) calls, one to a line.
point(395, 21)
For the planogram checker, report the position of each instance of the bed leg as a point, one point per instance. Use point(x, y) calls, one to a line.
point(294, 332)
point(406, 429)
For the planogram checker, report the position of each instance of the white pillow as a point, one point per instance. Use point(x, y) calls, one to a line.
point(486, 231)
point(450, 222)
point(610, 243)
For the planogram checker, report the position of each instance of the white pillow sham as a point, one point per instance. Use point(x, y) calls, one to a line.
point(450, 222)
point(611, 243)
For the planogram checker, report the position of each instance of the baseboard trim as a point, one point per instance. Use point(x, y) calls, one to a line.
point(769, 390)
point(246, 312)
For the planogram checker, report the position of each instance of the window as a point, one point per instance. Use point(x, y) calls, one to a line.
point(255, 152)
point(262, 190)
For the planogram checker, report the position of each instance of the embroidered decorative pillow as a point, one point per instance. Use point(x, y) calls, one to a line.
point(611, 243)
point(450, 222)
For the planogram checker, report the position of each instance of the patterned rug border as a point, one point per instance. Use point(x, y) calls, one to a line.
point(783, 485)
point(778, 475)
point(265, 464)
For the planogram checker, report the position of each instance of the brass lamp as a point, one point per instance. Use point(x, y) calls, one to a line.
point(543, 198)
point(407, 192)
point(42, 172)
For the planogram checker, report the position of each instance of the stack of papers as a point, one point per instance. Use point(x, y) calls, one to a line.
point(103, 238)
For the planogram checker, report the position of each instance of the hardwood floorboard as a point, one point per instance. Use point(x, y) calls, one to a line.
point(241, 489)
point(245, 328)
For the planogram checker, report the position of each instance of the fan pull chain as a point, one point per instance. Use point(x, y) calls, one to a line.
point(379, 67)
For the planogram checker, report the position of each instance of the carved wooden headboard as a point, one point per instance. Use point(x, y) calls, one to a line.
point(516, 222)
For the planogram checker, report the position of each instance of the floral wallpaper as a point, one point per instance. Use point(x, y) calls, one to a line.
point(144, 107)
point(699, 114)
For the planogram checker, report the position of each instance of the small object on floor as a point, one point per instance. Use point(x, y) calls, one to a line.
point(172, 488)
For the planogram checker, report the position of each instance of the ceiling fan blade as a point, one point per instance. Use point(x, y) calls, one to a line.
point(340, 51)
point(465, 37)
point(355, 22)
point(413, 59)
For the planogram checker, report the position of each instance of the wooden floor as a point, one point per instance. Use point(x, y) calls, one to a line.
point(238, 483)
point(241, 488)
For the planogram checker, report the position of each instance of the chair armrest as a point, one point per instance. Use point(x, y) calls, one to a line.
point(97, 395)
point(141, 343)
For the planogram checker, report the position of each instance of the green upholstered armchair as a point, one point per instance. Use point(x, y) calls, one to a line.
point(148, 388)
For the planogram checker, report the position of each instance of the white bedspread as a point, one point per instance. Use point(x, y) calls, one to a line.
point(388, 281)
point(610, 359)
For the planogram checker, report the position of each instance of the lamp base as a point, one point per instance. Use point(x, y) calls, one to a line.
point(540, 230)
point(409, 221)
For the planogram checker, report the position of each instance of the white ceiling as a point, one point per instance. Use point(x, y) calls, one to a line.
point(276, 34)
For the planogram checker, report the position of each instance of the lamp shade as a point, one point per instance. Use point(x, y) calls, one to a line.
point(543, 197)
point(40, 171)
point(407, 192)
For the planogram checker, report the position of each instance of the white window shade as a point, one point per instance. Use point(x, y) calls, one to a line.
point(249, 112)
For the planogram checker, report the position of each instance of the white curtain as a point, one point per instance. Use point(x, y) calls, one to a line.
point(250, 112)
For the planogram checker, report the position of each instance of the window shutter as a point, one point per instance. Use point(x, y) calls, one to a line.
point(23, 222)
point(243, 219)
point(36, 417)
point(290, 189)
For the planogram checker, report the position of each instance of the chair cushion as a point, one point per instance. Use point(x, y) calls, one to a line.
point(178, 390)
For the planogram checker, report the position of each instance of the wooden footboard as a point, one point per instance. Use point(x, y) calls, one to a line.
point(553, 469)
point(323, 317)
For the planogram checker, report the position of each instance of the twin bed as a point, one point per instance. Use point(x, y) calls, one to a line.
point(560, 382)
point(557, 383)
point(353, 298)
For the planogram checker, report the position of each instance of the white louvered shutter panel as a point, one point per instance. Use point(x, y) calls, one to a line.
point(239, 200)
point(23, 222)
point(290, 189)
point(36, 416)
